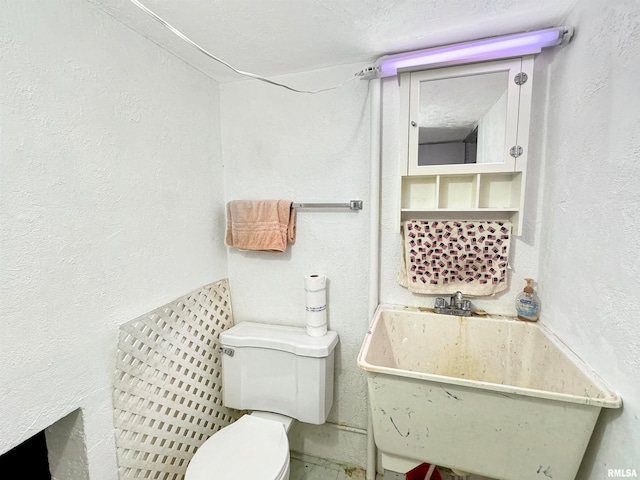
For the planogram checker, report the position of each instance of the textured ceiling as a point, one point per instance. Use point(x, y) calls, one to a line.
point(273, 37)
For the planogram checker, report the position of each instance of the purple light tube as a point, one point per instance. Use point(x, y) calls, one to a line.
point(493, 48)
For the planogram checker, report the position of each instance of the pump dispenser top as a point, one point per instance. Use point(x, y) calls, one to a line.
point(528, 303)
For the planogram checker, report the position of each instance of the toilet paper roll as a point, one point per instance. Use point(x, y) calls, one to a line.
point(315, 287)
point(317, 331)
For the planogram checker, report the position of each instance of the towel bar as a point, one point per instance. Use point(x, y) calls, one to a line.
point(352, 205)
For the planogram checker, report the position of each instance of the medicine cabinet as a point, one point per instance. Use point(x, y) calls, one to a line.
point(466, 130)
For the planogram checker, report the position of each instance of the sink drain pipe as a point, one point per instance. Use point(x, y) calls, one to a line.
point(374, 249)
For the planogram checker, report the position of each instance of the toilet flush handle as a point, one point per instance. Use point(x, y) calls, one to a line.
point(227, 351)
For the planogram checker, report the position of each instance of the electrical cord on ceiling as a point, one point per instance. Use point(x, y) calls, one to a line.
point(177, 32)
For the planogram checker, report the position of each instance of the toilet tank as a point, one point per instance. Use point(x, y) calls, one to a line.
point(278, 369)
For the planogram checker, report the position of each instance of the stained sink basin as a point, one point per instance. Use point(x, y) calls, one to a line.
point(489, 395)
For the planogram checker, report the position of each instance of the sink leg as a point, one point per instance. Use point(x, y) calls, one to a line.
point(432, 467)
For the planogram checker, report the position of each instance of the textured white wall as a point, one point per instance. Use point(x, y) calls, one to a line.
point(110, 205)
point(589, 256)
point(308, 148)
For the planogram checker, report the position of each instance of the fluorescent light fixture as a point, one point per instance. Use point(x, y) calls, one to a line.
point(493, 48)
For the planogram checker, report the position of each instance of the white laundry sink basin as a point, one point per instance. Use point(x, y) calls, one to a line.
point(489, 395)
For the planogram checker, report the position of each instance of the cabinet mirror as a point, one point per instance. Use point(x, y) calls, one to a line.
point(471, 118)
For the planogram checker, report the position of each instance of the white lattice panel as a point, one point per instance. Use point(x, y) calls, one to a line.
point(167, 392)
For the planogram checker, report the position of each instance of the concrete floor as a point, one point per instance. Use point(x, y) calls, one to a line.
point(304, 467)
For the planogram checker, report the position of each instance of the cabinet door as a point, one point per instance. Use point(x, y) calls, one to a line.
point(467, 119)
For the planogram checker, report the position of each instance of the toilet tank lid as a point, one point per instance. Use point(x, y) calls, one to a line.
point(279, 337)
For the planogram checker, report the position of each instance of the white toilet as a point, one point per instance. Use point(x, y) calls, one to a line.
point(280, 374)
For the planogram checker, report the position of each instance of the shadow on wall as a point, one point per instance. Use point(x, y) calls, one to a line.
point(607, 417)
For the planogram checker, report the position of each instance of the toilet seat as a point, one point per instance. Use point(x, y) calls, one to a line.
point(252, 448)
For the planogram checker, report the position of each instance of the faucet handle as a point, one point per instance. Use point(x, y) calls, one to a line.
point(440, 303)
point(466, 305)
point(456, 300)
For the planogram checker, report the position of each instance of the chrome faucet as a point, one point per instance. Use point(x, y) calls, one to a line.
point(457, 305)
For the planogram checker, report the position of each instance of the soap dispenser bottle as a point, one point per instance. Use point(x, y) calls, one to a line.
point(528, 303)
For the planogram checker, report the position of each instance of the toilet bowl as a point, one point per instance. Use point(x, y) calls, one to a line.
point(254, 447)
point(280, 374)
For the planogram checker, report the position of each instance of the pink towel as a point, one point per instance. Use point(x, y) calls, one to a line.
point(266, 225)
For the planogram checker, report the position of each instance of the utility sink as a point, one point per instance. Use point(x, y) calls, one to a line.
point(488, 395)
